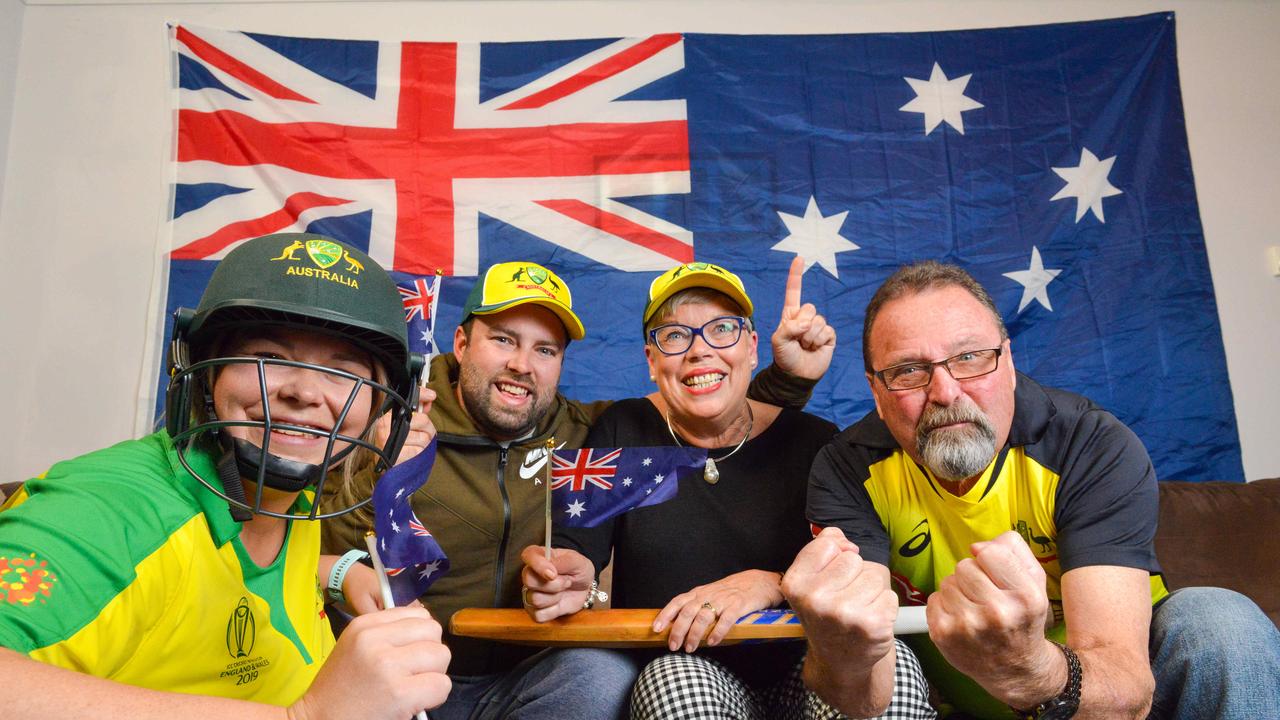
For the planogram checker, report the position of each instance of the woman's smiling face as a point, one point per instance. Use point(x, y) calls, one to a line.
point(296, 396)
point(704, 382)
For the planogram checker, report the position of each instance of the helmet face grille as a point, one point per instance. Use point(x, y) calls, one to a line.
point(198, 427)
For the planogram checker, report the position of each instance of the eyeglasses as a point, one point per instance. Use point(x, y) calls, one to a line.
point(674, 339)
point(963, 366)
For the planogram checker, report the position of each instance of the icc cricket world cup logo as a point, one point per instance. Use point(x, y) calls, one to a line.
point(241, 630)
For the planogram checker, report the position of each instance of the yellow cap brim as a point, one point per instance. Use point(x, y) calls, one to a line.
point(572, 325)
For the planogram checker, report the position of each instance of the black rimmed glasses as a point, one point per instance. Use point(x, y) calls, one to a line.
point(962, 366)
point(720, 333)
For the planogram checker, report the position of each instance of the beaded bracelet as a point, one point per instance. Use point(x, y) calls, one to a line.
point(594, 595)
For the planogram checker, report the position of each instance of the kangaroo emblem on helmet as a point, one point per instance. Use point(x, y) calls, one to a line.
point(289, 250)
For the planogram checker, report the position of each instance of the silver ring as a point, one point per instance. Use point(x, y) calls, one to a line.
point(712, 608)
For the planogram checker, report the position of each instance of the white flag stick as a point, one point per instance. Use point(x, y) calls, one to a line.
point(384, 584)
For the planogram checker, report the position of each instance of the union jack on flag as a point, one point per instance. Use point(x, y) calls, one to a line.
point(417, 298)
point(583, 468)
point(398, 148)
point(420, 297)
point(591, 485)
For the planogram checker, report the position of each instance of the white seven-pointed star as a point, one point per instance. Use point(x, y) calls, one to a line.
point(657, 479)
point(646, 462)
point(1088, 184)
point(429, 569)
point(940, 99)
point(815, 238)
point(426, 338)
point(1035, 281)
point(626, 482)
point(575, 508)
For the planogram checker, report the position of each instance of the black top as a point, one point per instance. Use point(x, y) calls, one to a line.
point(753, 518)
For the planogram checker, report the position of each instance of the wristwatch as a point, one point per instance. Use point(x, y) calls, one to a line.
point(1067, 702)
point(339, 573)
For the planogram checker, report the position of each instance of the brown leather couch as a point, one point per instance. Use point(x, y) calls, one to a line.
point(1222, 534)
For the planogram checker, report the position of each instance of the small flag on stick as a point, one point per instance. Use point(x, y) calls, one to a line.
point(591, 485)
point(410, 553)
point(421, 298)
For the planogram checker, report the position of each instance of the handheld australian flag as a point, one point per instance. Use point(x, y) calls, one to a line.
point(591, 485)
point(420, 297)
point(410, 553)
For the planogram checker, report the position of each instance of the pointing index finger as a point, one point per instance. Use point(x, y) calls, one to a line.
point(791, 300)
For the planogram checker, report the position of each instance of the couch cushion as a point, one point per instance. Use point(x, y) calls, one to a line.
point(1224, 535)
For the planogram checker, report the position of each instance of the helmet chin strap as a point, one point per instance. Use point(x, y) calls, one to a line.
point(286, 475)
point(242, 459)
point(229, 476)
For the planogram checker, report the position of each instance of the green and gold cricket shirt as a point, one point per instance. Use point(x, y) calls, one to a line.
point(1072, 480)
point(120, 564)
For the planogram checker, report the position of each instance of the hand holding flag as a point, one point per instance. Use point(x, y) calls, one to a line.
point(555, 586)
point(384, 583)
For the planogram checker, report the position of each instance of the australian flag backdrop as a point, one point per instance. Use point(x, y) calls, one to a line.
point(1049, 161)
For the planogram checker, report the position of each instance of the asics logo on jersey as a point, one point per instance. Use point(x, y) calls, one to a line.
point(918, 542)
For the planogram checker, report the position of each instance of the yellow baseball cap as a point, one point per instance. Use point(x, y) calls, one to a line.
point(692, 275)
point(506, 285)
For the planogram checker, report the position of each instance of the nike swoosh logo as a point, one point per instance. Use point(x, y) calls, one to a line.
point(534, 461)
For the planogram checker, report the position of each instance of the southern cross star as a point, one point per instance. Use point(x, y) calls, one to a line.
point(940, 99)
point(815, 238)
point(1035, 281)
point(1088, 184)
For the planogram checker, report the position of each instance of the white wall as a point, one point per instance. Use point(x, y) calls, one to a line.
point(85, 190)
point(11, 12)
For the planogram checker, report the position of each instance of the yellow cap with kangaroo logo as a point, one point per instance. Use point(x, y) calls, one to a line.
point(692, 275)
point(506, 285)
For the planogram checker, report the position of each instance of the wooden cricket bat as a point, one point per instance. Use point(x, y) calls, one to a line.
point(632, 628)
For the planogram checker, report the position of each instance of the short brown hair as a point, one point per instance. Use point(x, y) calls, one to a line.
point(916, 278)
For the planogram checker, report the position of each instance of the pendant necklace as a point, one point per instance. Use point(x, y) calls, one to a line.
point(710, 472)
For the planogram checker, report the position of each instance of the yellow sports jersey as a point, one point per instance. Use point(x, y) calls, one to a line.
point(1073, 481)
point(130, 570)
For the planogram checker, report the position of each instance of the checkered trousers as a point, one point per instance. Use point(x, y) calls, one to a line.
point(689, 687)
